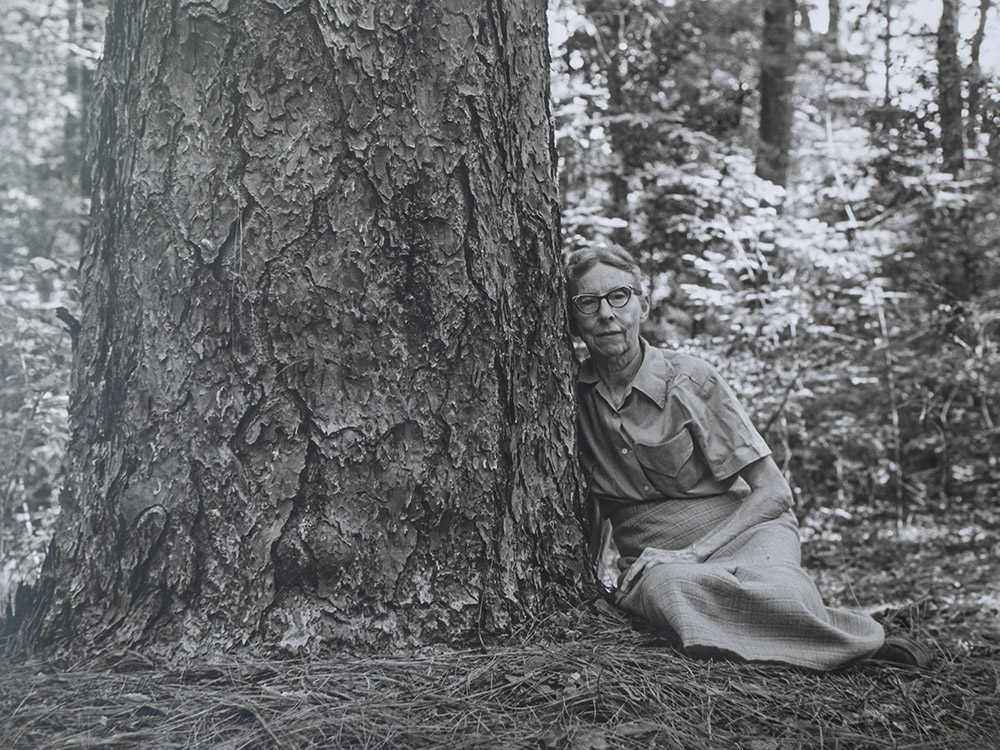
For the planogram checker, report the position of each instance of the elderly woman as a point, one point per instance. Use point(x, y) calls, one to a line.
point(699, 511)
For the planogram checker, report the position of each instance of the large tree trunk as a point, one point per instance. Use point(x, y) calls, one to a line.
point(778, 62)
point(950, 89)
point(323, 390)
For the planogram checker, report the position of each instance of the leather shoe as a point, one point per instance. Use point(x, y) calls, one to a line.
point(904, 651)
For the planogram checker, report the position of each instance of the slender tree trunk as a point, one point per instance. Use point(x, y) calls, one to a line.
point(887, 59)
point(778, 64)
point(323, 391)
point(804, 6)
point(81, 17)
point(82, 21)
point(619, 132)
point(975, 75)
point(950, 89)
point(833, 29)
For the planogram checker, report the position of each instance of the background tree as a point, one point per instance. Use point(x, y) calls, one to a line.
point(83, 18)
point(322, 391)
point(777, 68)
point(976, 79)
point(950, 79)
point(887, 9)
point(833, 26)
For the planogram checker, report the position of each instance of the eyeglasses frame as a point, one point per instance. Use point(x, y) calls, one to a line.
point(602, 297)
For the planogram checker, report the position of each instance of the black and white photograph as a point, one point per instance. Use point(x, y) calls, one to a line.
point(500, 374)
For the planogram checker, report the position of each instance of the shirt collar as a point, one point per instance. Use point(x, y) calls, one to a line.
point(651, 379)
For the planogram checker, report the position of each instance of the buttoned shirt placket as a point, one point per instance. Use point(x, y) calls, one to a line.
point(624, 442)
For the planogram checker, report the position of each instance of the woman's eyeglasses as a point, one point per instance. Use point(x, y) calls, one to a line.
point(588, 304)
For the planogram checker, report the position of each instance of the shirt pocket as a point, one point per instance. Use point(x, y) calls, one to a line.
point(673, 467)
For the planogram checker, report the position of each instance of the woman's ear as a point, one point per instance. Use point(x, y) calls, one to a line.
point(644, 307)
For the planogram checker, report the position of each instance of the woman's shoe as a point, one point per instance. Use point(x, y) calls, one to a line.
point(904, 651)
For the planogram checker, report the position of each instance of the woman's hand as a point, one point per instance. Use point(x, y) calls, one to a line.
point(633, 567)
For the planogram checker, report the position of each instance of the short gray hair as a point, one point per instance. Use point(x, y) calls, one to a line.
point(582, 260)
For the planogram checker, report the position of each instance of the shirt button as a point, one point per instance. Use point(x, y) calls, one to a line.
point(646, 488)
point(624, 451)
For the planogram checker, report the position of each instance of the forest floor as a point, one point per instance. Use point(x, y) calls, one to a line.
point(579, 680)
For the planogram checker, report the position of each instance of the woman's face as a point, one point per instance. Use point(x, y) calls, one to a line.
point(610, 333)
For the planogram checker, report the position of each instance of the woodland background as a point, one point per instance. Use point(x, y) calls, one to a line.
point(852, 298)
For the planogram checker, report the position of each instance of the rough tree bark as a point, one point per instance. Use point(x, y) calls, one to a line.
point(323, 391)
point(950, 89)
point(778, 63)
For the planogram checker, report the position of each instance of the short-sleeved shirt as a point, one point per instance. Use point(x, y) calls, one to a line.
point(680, 433)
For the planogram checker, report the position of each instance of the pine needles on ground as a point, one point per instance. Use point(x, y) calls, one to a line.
point(590, 685)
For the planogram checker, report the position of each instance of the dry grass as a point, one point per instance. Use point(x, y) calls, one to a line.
point(591, 684)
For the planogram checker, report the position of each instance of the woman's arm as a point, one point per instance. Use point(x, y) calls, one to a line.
point(769, 497)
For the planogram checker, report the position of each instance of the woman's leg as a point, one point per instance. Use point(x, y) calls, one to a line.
point(754, 599)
